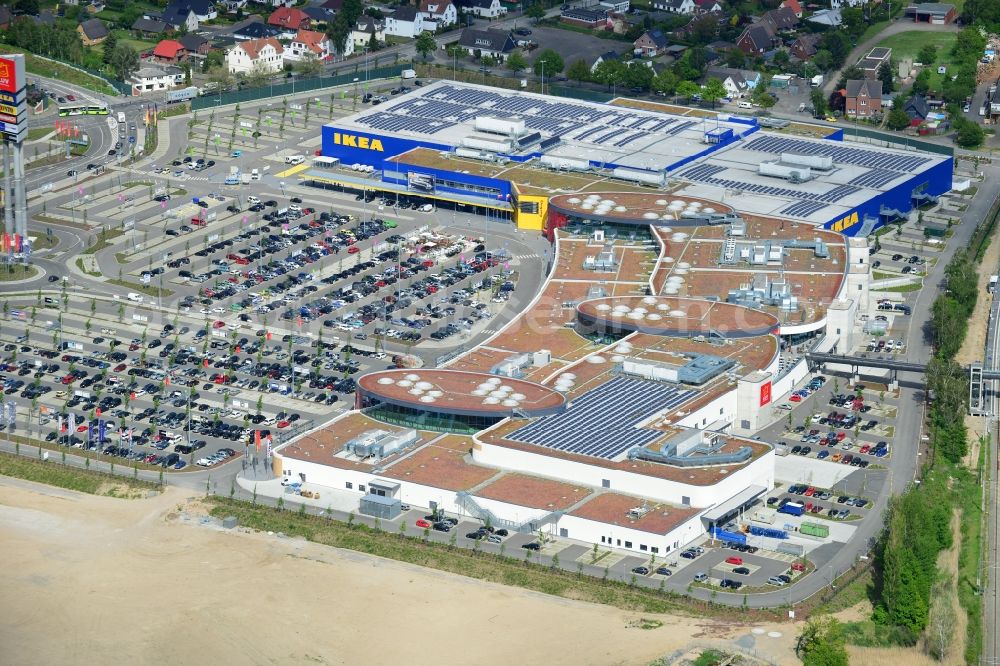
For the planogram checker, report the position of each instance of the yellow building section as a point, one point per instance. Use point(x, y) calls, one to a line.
point(531, 211)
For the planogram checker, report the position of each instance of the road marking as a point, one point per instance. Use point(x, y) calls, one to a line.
point(291, 172)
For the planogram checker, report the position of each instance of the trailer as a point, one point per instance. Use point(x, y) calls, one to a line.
point(793, 509)
point(182, 95)
point(731, 537)
point(771, 532)
point(815, 530)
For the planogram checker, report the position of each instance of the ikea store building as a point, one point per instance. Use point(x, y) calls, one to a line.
point(504, 153)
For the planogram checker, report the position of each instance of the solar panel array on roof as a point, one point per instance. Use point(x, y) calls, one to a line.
point(803, 208)
point(874, 178)
point(447, 105)
point(706, 173)
point(840, 153)
point(601, 423)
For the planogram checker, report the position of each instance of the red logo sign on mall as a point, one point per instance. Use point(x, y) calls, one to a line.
point(765, 393)
point(8, 79)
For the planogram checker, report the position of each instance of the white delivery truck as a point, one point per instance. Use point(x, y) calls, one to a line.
point(408, 74)
point(294, 159)
point(134, 297)
point(816, 81)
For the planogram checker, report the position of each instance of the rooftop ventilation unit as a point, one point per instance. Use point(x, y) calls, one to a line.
point(564, 163)
point(487, 143)
point(815, 162)
point(657, 178)
point(499, 126)
point(793, 173)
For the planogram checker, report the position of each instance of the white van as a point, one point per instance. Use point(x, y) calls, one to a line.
point(294, 159)
point(252, 200)
point(134, 297)
point(745, 105)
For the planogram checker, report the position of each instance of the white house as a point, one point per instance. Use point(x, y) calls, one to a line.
point(152, 79)
point(406, 21)
point(317, 43)
point(616, 6)
point(675, 6)
point(367, 29)
point(838, 4)
point(266, 53)
point(441, 12)
point(488, 9)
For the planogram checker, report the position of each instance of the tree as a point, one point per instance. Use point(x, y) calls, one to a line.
point(579, 71)
point(548, 63)
point(610, 72)
point(837, 45)
point(781, 59)
point(713, 91)
point(215, 58)
point(535, 12)
point(970, 135)
point(851, 73)
point(110, 42)
point(425, 45)
point(638, 75)
point(124, 61)
point(735, 58)
point(823, 60)
point(922, 83)
point(309, 66)
point(885, 76)
point(258, 75)
point(897, 120)
point(853, 19)
point(927, 55)
point(761, 97)
point(821, 643)
point(516, 62)
point(665, 82)
point(687, 89)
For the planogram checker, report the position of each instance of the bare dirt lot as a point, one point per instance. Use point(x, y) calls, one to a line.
point(100, 580)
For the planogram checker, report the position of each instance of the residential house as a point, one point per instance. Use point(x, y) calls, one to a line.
point(863, 98)
point(289, 20)
point(178, 17)
point(319, 15)
point(441, 12)
point(756, 39)
point(496, 44)
point(793, 5)
point(651, 44)
point(707, 6)
point(366, 29)
point(675, 6)
point(333, 5)
point(233, 6)
point(317, 43)
point(487, 9)
point(254, 28)
point(405, 21)
point(827, 17)
point(195, 44)
point(169, 51)
point(204, 10)
point(267, 53)
point(871, 63)
point(92, 32)
point(782, 19)
point(838, 4)
point(604, 57)
point(147, 27)
point(917, 109)
point(805, 46)
point(153, 79)
point(585, 18)
point(935, 13)
point(95, 7)
point(616, 6)
point(732, 80)
point(45, 18)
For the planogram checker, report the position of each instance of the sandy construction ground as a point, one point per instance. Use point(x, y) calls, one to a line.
point(98, 580)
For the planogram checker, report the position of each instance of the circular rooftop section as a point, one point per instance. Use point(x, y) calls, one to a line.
point(674, 317)
point(461, 393)
point(642, 208)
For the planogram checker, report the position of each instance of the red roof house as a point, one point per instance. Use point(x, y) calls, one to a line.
point(289, 19)
point(169, 50)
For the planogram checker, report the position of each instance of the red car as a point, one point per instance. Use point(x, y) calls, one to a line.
point(809, 491)
point(795, 397)
point(283, 424)
point(353, 249)
point(734, 560)
point(219, 324)
point(798, 566)
point(82, 428)
point(866, 448)
point(68, 379)
point(423, 523)
point(120, 367)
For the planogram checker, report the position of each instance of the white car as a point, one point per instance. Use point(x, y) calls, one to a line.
point(205, 462)
point(205, 311)
point(218, 310)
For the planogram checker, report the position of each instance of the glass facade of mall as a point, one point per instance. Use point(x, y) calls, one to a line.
point(422, 419)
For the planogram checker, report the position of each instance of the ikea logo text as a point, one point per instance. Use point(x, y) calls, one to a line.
point(352, 141)
point(845, 222)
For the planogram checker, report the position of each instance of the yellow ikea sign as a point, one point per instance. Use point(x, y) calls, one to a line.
point(353, 141)
point(845, 222)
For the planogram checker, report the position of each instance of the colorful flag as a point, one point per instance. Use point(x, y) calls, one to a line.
point(256, 440)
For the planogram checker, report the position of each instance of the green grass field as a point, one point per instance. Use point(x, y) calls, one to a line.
point(908, 44)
